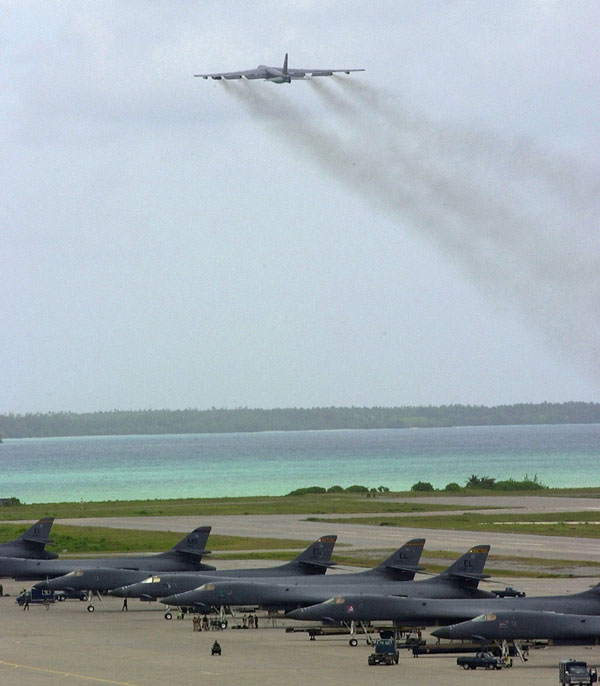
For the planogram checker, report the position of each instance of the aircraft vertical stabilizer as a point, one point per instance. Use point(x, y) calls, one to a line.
point(193, 545)
point(403, 564)
point(468, 569)
point(317, 557)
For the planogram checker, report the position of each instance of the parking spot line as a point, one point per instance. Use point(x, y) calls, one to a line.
point(74, 675)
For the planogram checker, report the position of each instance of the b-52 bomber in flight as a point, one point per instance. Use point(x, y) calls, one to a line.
point(145, 585)
point(184, 556)
point(31, 545)
point(460, 580)
point(275, 74)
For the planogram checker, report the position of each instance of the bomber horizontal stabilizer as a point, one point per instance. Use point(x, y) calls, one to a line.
point(412, 569)
point(193, 552)
point(317, 563)
point(467, 575)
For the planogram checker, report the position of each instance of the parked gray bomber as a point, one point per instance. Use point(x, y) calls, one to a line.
point(518, 625)
point(143, 584)
point(315, 560)
point(184, 556)
point(402, 564)
point(432, 611)
point(95, 580)
point(275, 74)
point(31, 544)
point(460, 580)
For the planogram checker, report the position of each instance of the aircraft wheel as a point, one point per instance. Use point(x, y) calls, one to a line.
point(168, 615)
point(224, 624)
point(90, 608)
point(353, 642)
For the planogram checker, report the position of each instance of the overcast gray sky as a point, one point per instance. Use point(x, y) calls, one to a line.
point(170, 242)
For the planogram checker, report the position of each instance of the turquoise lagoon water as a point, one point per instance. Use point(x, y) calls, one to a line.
point(273, 463)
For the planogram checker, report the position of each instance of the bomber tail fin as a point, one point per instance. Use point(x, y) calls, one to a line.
point(316, 559)
point(32, 543)
point(403, 564)
point(38, 533)
point(468, 569)
point(193, 546)
point(285, 65)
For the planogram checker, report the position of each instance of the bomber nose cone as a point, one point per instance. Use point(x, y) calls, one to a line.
point(444, 632)
point(41, 584)
point(296, 614)
point(169, 600)
point(120, 592)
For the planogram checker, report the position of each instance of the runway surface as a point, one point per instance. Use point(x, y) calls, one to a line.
point(360, 536)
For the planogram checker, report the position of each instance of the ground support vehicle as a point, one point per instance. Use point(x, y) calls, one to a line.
point(509, 592)
point(576, 673)
point(483, 659)
point(384, 652)
point(37, 596)
point(70, 595)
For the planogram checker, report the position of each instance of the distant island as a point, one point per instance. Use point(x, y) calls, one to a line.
point(192, 421)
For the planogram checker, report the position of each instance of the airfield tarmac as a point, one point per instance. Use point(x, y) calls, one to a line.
point(68, 645)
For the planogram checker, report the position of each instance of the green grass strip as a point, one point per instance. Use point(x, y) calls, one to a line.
point(331, 503)
point(92, 539)
point(572, 524)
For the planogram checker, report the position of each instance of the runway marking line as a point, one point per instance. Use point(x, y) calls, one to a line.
point(74, 675)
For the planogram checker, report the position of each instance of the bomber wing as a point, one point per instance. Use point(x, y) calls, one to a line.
point(229, 75)
point(301, 73)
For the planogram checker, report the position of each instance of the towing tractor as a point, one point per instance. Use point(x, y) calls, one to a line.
point(384, 652)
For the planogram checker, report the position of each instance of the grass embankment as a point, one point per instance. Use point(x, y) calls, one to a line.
point(330, 503)
point(573, 524)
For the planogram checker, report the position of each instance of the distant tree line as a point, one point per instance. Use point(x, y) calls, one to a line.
point(243, 419)
point(486, 483)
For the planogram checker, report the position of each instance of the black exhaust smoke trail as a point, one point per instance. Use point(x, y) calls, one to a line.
point(533, 213)
point(503, 212)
